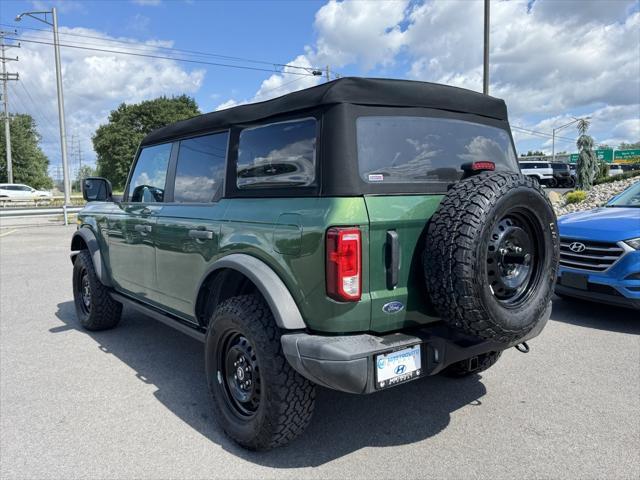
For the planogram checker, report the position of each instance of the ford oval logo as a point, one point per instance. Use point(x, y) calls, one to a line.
point(577, 247)
point(393, 307)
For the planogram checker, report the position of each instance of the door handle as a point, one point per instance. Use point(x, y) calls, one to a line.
point(201, 234)
point(142, 228)
point(393, 259)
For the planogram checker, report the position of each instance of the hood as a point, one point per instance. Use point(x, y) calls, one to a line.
point(602, 224)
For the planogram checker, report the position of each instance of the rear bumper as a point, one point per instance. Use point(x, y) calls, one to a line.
point(346, 363)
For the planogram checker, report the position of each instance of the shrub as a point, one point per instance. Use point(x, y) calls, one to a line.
point(576, 196)
point(603, 172)
point(621, 176)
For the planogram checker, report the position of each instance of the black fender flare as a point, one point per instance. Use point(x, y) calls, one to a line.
point(275, 292)
point(90, 240)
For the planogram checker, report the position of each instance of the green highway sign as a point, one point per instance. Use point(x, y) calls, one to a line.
point(609, 156)
point(627, 156)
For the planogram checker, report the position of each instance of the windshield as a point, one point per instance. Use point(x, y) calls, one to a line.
point(629, 198)
point(423, 149)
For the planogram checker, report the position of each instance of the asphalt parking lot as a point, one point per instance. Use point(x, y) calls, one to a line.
point(132, 402)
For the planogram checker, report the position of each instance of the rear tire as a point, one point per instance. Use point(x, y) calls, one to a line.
point(259, 400)
point(95, 308)
point(468, 367)
point(491, 256)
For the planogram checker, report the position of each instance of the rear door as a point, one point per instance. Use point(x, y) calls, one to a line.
point(428, 153)
point(188, 227)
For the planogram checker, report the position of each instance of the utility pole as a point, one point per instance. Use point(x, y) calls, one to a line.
point(63, 139)
point(6, 77)
point(485, 78)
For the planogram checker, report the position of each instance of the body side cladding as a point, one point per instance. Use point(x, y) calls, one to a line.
point(272, 288)
point(85, 235)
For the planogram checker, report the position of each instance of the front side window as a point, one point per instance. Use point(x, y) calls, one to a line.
point(148, 180)
point(201, 167)
point(278, 155)
point(424, 149)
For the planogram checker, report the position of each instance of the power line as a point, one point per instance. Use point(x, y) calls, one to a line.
point(540, 133)
point(37, 110)
point(160, 57)
point(172, 49)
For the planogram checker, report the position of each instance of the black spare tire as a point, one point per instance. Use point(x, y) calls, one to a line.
point(491, 256)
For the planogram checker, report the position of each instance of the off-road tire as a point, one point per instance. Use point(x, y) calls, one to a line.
point(464, 368)
point(456, 256)
point(286, 399)
point(104, 312)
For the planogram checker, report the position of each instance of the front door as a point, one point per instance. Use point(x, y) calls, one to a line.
point(131, 228)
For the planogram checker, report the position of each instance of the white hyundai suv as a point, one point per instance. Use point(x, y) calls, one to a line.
point(541, 171)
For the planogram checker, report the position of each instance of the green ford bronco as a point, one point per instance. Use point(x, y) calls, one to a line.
point(355, 235)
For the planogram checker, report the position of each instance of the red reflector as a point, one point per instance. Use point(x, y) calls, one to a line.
point(483, 166)
point(344, 264)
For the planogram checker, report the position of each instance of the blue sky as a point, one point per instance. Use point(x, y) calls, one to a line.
point(550, 60)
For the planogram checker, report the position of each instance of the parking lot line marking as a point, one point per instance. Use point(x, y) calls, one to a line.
point(7, 233)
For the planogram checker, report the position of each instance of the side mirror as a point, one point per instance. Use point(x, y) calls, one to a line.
point(96, 189)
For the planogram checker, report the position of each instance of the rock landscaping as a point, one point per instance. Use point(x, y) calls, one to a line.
point(596, 197)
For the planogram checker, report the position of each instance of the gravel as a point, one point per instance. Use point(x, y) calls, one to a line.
point(596, 197)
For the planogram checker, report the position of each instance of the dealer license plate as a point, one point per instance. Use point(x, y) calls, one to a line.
point(397, 367)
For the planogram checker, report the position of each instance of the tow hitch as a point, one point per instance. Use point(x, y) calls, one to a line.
point(522, 347)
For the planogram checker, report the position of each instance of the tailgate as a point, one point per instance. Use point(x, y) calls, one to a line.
point(397, 227)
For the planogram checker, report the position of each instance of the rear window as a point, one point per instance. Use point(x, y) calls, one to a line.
point(421, 149)
point(278, 155)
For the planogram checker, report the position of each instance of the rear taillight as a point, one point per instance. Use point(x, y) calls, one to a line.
point(344, 264)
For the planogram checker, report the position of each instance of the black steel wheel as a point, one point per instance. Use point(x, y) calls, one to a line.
point(514, 253)
point(241, 374)
point(259, 400)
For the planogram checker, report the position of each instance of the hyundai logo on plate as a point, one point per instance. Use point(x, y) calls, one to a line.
point(393, 307)
point(577, 247)
point(399, 369)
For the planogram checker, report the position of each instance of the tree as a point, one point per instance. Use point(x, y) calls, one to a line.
point(629, 146)
point(587, 167)
point(83, 172)
point(115, 143)
point(29, 162)
point(536, 153)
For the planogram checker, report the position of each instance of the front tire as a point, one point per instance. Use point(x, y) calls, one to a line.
point(260, 401)
point(95, 308)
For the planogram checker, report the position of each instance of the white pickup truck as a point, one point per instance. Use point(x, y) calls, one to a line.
point(541, 171)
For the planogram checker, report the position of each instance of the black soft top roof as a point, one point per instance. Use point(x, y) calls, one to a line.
point(355, 90)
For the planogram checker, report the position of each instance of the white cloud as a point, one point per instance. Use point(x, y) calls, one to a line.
point(94, 84)
point(549, 59)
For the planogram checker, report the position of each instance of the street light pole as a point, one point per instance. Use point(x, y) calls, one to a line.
point(63, 135)
point(485, 77)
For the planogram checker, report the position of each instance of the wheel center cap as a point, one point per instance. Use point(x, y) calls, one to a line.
point(240, 373)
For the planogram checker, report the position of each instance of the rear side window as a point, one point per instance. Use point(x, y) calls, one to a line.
point(423, 149)
point(278, 155)
point(148, 180)
point(200, 169)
